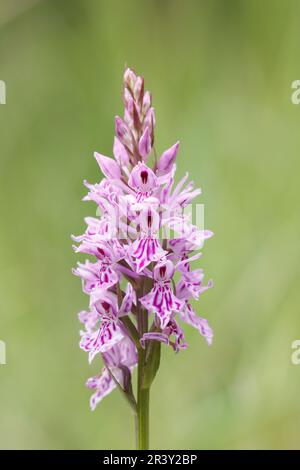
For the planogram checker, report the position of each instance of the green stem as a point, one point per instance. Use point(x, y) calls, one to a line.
point(142, 391)
point(132, 331)
point(142, 406)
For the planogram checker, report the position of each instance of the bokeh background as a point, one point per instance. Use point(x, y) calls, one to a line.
point(220, 73)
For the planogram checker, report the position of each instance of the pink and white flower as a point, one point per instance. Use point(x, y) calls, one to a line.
point(121, 356)
point(141, 242)
point(161, 300)
point(104, 273)
point(147, 248)
point(143, 180)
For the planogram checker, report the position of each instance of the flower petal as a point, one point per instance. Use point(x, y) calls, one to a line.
point(167, 159)
point(108, 166)
point(145, 144)
point(188, 315)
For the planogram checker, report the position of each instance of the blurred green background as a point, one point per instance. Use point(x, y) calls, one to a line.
point(220, 73)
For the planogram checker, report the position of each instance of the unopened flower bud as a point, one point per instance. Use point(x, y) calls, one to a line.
point(126, 96)
point(149, 122)
point(145, 144)
point(129, 78)
point(120, 152)
point(138, 91)
point(146, 102)
point(122, 131)
point(168, 158)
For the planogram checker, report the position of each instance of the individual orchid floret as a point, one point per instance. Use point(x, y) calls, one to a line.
point(96, 275)
point(118, 360)
point(191, 284)
point(181, 196)
point(143, 180)
point(108, 334)
point(105, 302)
point(109, 252)
point(102, 339)
point(105, 272)
point(147, 247)
point(105, 194)
point(105, 311)
point(161, 300)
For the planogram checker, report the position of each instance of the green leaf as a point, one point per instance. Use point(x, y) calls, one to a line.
point(126, 392)
point(152, 363)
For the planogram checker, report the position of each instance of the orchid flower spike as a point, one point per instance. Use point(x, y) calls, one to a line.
point(140, 282)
